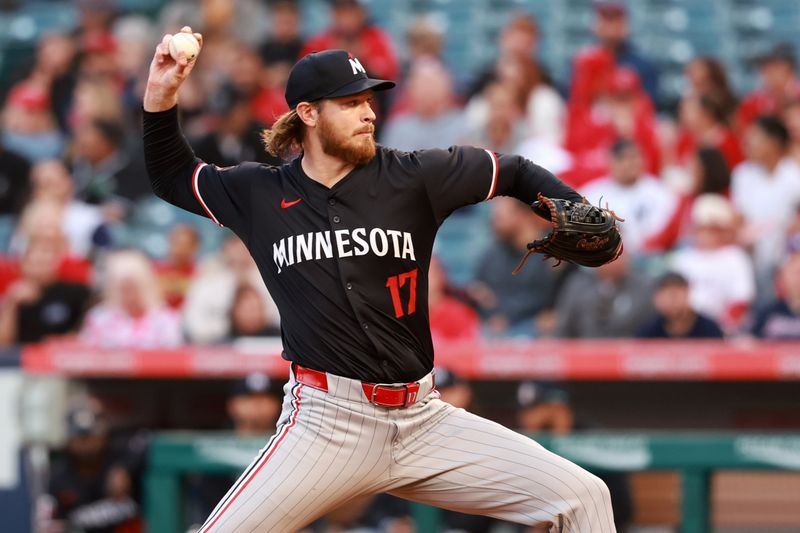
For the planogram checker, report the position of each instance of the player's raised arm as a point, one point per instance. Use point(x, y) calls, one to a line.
point(168, 157)
point(175, 174)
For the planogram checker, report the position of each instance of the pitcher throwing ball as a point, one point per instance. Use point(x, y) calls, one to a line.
point(343, 236)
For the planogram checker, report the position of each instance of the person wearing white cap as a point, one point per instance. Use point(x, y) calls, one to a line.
point(720, 273)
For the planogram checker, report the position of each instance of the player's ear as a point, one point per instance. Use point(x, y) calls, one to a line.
point(308, 113)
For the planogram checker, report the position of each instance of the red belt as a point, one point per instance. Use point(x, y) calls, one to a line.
point(382, 394)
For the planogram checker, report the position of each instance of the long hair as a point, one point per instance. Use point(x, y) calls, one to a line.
point(716, 175)
point(285, 137)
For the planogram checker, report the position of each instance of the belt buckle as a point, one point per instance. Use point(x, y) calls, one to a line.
point(411, 390)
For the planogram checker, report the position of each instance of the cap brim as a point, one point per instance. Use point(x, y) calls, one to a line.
point(359, 86)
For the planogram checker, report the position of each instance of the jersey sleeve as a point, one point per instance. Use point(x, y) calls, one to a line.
point(224, 194)
point(180, 178)
point(458, 176)
point(464, 175)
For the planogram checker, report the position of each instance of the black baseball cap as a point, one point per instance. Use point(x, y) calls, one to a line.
point(329, 74)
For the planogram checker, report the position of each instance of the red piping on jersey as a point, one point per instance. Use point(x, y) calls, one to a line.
point(273, 447)
point(495, 172)
point(196, 191)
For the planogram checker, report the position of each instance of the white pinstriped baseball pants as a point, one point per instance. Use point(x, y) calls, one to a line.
point(332, 446)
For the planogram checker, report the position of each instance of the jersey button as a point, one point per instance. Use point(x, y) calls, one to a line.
point(336, 219)
point(349, 286)
point(385, 363)
point(365, 325)
point(331, 201)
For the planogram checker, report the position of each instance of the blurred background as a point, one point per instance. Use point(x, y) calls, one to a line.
point(140, 365)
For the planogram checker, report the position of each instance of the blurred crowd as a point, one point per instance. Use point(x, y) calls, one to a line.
point(710, 195)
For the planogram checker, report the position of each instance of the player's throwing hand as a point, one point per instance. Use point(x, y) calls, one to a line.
point(167, 74)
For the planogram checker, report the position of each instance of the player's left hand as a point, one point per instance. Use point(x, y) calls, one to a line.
point(582, 233)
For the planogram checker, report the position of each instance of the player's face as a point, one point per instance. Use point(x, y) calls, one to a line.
point(346, 128)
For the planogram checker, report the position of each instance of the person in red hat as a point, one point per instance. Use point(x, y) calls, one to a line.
point(614, 108)
point(777, 72)
point(28, 125)
point(613, 31)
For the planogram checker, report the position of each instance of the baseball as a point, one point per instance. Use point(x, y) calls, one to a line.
point(186, 43)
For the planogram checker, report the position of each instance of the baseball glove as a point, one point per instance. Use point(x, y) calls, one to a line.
point(582, 233)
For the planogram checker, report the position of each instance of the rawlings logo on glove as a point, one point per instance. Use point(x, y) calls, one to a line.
point(582, 233)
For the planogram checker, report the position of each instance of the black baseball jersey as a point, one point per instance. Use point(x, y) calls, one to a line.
point(347, 266)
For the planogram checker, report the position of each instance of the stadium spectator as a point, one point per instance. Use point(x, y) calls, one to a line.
point(519, 38)
point(131, 313)
point(517, 65)
point(249, 315)
point(708, 173)
point(765, 189)
point(609, 301)
point(351, 30)
point(541, 107)
point(278, 53)
point(134, 35)
point(720, 273)
point(284, 41)
point(92, 486)
point(544, 408)
point(176, 271)
point(424, 39)
point(450, 318)
point(706, 76)
point(222, 21)
point(613, 35)
point(522, 304)
point(28, 126)
point(503, 129)
point(56, 66)
point(43, 219)
point(95, 99)
point(95, 16)
point(37, 305)
point(98, 58)
point(206, 308)
point(103, 171)
point(779, 86)
point(607, 105)
point(80, 221)
point(432, 120)
point(780, 319)
point(14, 184)
point(246, 74)
point(676, 319)
point(235, 136)
point(254, 405)
point(704, 124)
point(641, 199)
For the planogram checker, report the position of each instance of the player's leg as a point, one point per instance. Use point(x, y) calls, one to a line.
point(472, 465)
point(325, 451)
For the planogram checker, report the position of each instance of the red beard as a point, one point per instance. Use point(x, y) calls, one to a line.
point(355, 149)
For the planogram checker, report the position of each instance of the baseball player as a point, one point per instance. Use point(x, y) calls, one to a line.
point(342, 236)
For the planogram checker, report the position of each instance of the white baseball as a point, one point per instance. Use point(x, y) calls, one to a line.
point(186, 43)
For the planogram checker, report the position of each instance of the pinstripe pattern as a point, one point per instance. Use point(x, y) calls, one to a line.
point(340, 446)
